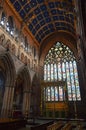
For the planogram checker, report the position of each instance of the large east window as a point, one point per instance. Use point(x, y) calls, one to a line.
point(60, 65)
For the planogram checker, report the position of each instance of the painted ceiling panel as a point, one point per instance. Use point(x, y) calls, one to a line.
point(43, 17)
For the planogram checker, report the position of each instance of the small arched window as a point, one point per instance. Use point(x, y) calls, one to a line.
point(3, 17)
point(10, 25)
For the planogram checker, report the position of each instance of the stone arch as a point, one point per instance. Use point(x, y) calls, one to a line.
point(35, 96)
point(63, 37)
point(24, 72)
point(8, 68)
point(22, 87)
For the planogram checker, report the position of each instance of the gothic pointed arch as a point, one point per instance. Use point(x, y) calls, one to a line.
point(7, 65)
point(63, 37)
point(22, 87)
point(24, 74)
point(7, 77)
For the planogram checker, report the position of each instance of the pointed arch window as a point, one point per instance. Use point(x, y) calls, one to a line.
point(60, 64)
point(10, 25)
point(3, 17)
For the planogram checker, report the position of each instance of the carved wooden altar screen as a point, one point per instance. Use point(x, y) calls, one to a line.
point(54, 99)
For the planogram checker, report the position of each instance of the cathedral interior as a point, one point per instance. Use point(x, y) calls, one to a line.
point(43, 59)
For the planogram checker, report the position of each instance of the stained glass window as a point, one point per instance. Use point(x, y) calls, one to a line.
point(60, 64)
point(2, 22)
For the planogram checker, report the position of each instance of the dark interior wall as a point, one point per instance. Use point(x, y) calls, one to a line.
point(83, 11)
point(77, 110)
point(83, 22)
point(2, 88)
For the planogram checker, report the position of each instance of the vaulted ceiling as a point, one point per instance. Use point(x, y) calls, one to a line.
point(45, 17)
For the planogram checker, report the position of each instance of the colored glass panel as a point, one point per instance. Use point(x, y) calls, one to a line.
point(52, 93)
point(55, 72)
point(60, 93)
point(48, 69)
point(48, 93)
point(45, 73)
point(56, 94)
point(63, 71)
point(52, 70)
point(59, 71)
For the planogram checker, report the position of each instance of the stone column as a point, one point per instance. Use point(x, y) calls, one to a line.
point(7, 102)
point(26, 103)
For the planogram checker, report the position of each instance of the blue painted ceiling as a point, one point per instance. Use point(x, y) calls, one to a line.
point(43, 17)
